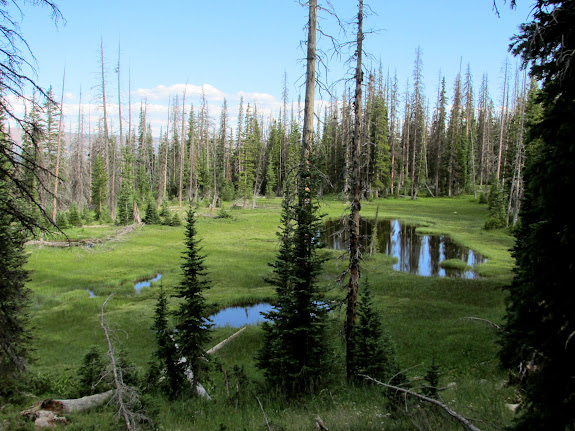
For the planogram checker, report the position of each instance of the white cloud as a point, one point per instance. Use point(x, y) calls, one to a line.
point(163, 92)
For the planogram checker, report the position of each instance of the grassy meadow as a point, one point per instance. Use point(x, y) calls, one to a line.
point(425, 317)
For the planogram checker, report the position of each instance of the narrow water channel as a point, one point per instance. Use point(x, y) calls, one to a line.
point(146, 283)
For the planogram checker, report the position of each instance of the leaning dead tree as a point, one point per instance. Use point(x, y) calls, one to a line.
point(125, 396)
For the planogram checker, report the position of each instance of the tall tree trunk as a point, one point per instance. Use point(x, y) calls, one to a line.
point(503, 115)
point(120, 102)
point(354, 245)
point(57, 169)
point(182, 151)
point(309, 84)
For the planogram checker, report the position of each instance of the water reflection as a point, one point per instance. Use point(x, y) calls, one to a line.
point(416, 254)
point(236, 317)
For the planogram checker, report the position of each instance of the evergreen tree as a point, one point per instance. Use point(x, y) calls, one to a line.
point(176, 221)
point(539, 328)
point(99, 186)
point(294, 356)
point(192, 317)
point(152, 216)
point(374, 353)
point(380, 155)
point(74, 217)
point(14, 296)
point(495, 208)
point(165, 214)
point(166, 353)
point(91, 373)
point(126, 199)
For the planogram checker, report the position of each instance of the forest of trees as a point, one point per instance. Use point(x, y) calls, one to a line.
point(464, 141)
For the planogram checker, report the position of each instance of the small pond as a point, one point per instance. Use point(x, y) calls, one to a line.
point(415, 254)
point(146, 283)
point(237, 317)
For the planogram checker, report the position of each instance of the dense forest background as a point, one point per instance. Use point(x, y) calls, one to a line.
point(464, 141)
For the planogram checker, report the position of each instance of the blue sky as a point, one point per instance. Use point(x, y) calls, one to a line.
point(243, 48)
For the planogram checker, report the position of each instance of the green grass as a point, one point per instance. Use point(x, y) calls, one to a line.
point(425, 316)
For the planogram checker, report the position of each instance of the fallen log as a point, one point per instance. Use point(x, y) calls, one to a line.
point(45, 412)
point(227, 340)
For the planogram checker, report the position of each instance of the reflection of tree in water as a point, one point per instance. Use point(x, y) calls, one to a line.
point(416, 254)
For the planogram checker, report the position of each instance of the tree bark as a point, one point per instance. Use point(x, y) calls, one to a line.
point(354, 245)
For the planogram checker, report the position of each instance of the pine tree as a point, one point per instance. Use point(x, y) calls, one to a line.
point(374, 353)
point(495, 208)
point(152, 216)
point(166, 353)
point(74, 217)
point(91, 373)
point(295, 353)
point(538, 333)
point(14, 296)
point(193, 324)
point(99, 186)
point(126, 199)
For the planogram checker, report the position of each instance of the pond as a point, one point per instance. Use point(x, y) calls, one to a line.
point(236, 317)
point(415, 254)
point(146, 283)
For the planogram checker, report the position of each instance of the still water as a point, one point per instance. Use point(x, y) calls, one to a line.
point(415, 254)
point(236, 317)
point(146, 283)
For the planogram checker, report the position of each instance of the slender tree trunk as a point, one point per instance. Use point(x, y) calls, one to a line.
point(182, 151)
point(80, 155)
point(354, 245)
point(503, 115)
point(120, 102)
point(309, 84)
point(57, 170)
point(103, 89)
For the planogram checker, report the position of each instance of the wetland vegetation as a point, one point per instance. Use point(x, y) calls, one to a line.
point(425, 317)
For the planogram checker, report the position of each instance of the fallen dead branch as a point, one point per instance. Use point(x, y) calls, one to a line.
point(227, 340)
point(479, 319)
point(87, 242)
point(464, 421)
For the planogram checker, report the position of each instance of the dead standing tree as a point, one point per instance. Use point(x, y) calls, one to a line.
point(354, 220)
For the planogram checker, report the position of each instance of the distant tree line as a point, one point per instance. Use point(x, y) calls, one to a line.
point(465, 142)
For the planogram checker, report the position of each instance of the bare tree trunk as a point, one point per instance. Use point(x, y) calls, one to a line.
point(103, 89)
point(120, 101)
point(354, 245)
point(182, 150)
point(121, 393)
point(309, 84)
point(57, 170)
point(503, 115)
point(80, 155)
